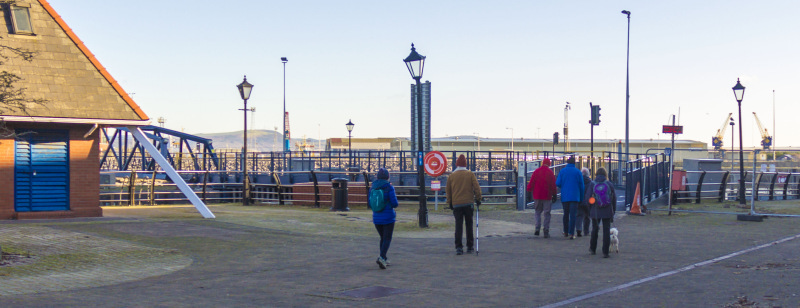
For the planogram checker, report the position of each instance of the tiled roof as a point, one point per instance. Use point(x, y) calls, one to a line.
point(65, 73)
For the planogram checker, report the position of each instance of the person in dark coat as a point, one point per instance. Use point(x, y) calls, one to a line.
point(601, 214)
point(583, 220)
point(385, 219)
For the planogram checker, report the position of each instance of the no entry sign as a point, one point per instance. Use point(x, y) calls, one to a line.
point(435, 163)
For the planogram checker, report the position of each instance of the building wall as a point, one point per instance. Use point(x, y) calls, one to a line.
point(84, 165)
point(6, 178)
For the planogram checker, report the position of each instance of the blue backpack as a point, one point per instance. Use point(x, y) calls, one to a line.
point(376, 200)
point(602, 194)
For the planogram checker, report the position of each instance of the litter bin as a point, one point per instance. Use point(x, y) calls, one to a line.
point(339, 195)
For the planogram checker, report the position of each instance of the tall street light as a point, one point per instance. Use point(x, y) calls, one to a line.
point(627, 85)
point(512, 138)
point(285, 131)
point(244, 91)
point(733, 141)
point(738, 91)
point(415, 63)
point(349, 126)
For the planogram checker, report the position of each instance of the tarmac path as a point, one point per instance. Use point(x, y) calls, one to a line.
point(285, 257)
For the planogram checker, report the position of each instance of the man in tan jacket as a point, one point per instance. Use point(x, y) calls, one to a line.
point(463, 192)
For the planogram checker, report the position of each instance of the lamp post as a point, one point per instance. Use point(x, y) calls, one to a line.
point(349, 126)
point(415, 64)
point(285, 132)
point(738, 92)
point(244, 91)
point(627, 85)
point(733, 141)
point(512, 138)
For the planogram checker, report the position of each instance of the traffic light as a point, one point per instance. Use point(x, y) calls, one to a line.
point(555, 138)
point(595, 115)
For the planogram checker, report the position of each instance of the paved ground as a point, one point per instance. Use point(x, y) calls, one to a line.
point(282, 257)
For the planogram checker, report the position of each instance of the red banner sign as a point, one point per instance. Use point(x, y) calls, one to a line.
point(672, 129)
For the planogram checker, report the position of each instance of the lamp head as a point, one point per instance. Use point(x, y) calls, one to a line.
point(245, 88)
point(626, 13)
point(349, 125)
point(738, 91)
point(415, 63)
point(284, 60)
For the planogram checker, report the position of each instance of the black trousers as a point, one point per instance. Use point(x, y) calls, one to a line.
point(464, 217)
point(385, 231)
point(606, 234)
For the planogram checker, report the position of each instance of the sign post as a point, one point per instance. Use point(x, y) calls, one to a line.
point(435, 165)
point(436, 186)
point(673, 130)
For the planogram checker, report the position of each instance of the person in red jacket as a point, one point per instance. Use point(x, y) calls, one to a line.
point(543, 186)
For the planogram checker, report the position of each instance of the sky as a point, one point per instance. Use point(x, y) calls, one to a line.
point(496, 68)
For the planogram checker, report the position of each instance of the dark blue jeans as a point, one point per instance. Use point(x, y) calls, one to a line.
point(385, 231)
point(570, 216)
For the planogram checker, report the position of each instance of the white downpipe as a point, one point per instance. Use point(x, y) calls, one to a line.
point(162, 161)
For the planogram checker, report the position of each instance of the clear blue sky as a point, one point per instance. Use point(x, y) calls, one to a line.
point(492, 65)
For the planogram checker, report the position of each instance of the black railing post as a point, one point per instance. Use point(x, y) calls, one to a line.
point(723, 186)
point(316, 187)
point(772, 187)
point(700, 186)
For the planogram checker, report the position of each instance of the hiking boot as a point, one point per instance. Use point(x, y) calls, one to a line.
point(546, 234)
point(470, 250)
point(536, 233)
point(381, 263)
point(459, 251)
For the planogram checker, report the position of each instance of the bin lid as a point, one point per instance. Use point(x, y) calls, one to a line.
point(339, 180)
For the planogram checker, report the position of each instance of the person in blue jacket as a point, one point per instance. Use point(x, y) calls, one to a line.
point(570, 181)
point(385, 219)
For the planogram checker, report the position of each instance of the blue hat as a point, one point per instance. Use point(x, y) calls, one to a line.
point(383, 174)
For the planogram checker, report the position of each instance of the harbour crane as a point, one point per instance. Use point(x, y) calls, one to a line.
point(716, 141)
point(766, 139)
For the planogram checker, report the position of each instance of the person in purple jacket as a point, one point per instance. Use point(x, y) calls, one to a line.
point(384, 220)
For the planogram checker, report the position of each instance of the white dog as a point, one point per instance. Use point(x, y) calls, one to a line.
point(615, 239)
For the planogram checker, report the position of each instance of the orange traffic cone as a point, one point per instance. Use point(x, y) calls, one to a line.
point(635, 208)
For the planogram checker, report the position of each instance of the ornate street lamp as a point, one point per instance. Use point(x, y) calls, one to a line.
point(738, 91)
point(415, 64)
point(244, 91)
point(349, 126)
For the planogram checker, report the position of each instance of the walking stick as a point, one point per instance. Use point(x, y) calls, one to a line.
point(477, 229)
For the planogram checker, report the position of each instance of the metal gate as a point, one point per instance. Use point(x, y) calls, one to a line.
point(41, 171)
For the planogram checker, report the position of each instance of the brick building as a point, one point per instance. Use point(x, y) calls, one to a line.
point(49, 152)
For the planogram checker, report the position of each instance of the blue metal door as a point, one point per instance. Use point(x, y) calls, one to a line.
point(41, 171)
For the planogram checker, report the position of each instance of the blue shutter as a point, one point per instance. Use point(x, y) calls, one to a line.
point(41, 171)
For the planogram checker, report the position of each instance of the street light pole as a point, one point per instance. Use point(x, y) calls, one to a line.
point(627, 85)
point(512, 138)
point(733, 142)
point(415, 64)
point(244, 91)
point(349, 126)
point(285, 141)
point(738, 91)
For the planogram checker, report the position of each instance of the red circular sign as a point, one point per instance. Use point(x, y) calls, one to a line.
point(435, 163)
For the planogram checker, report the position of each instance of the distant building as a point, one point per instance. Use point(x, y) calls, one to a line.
point(51, 168)
point(426, 116)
